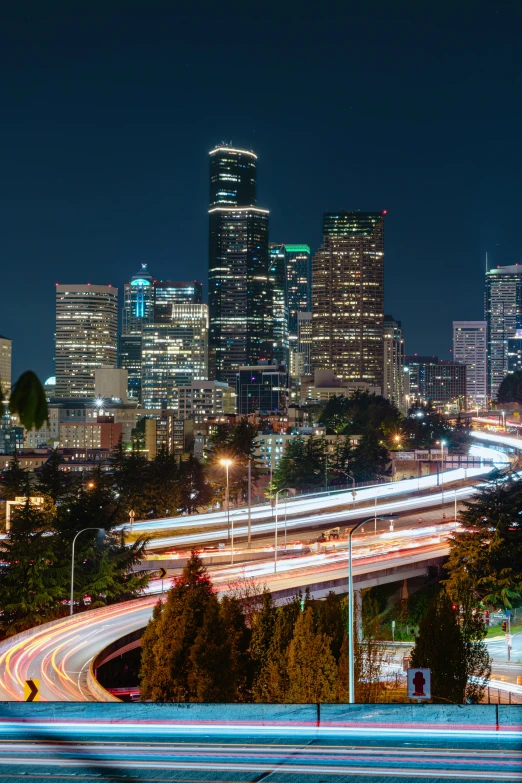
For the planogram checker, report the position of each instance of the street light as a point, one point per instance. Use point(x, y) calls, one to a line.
point(72, 562)
point(283, 489)
point(351, 667)
point(226, 463)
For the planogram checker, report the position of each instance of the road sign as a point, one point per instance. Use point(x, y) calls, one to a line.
point(32, 690)
point(162, 573)
point(508, 639)
point(419, 683)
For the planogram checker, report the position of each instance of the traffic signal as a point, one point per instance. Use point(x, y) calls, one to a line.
point(504, 625)
point(486, 617)
point(454, 607)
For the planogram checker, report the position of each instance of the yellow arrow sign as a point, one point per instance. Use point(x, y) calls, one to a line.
point(32, 690)
point(162, 573)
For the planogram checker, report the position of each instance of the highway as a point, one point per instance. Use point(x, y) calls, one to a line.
point(59, 653)
point(377, 753)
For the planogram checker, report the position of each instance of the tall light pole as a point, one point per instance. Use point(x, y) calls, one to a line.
point(249, 500)
point(283, 489)
point(351, 666)
point(72, 563)
point(226, 463)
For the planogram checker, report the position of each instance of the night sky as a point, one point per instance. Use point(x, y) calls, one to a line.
point(108, 117)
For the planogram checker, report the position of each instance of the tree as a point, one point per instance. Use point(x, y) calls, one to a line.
point(271, 683)
point(311, 667)
point(31, 581)
point(15, 480)
point(52, 481)
point(212, 674)
point(302, 465)
point(486, 557)
point(440, 646)
point(370, 459)
point(138, 434)
point(166, 672)
point(263, 627)
point(510, 390)
point(163, 488)
point(238, 444)
point(351, 415)
point(132, 480)
point(194, 489)
point(27, 401)
point(332, 622)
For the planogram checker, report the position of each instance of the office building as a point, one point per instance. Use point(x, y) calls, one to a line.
point(470, 349)
point(298, 284)
point(168, 433)
point(279, 326)
point(348, 297)
point(436, 381)
point(169, 292)
point(515, 352)
point(323, 385)
point(241, 301)
point(138, 309)
point(201, 399)
point(174, 354)
point(86, 336)
point(503, 314)
point(110, 384)
point(6, 356)
point(393, 378)
point(262, 389)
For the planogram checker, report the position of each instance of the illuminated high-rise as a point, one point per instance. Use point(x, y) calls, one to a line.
point(170, 292)
point(174, 354)
point(298, 285)
point(277, 258)
point(348, 297)
point(503, 305)
point(6, 348)
point(138, 309)
point(393, 378)
point(470, 349)
point(240, 285)
point(86, 336)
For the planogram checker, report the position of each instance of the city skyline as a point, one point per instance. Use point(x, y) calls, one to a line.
point(104, 173)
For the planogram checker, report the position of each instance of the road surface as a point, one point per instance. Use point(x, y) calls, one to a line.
point(150, 753)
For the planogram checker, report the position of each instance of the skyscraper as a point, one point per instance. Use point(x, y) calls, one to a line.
point(393, 383)
point(174, 354)
point(503, 314)
point(240, 288)
point(304, 340)
point(298, 285)
point(470, 348)
point(6, 350)
point(169, 292)
point(86, 336)
point(138, 309)
point(440, 382)
point(348, 297)
point(279, 327)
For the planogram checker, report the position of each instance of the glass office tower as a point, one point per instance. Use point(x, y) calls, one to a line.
point(348, 297)
point(138, 310)
point(503, 305)
point(240, 285)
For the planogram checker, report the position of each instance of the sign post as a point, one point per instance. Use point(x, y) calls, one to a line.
point(163, 574)
point(419, 684)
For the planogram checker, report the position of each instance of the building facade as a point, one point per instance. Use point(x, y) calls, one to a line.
point(298, 285)
point(240, 287)
point(262, 389)
point(348, 297)
point(201, 399)
point(393, 376)
point(441, 383)
point(138, 309)
point(277, 262)
point(470, 349)
point(86, 336)
point(174, 354)
point(168, 293)
point(6, 359)
point(503, 314)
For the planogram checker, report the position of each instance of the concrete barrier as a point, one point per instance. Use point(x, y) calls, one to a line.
point(429, 717)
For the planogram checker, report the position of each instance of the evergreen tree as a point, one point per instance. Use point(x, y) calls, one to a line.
point(31, 582)
point(311, 667)
point(149, 670)
point(212, 673)
point(167, 663)
point(15, 480)
point(53, 482)
point(486, 556)
point(440, 646)
point(332, 622)
point(163, 488)
point(302, 465)
point(272, 682)
point(234, 619)
point(194, 489)
point(370, 459)
point(510, 390)
point(263, 626)
point(132, 480)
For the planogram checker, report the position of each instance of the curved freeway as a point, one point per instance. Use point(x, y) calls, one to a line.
point(59, 653)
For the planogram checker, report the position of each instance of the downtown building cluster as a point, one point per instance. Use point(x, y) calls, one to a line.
point(283, 329)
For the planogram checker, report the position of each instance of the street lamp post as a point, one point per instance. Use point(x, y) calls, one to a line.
point(351, 666)
point(226, 463)
point(283, 489)
point(249, 501)
point(72, 563)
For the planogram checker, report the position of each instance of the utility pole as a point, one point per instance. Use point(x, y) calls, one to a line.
point(249, 500)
